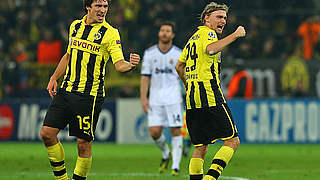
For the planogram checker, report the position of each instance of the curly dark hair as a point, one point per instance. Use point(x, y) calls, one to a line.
point(169, 23)
point(87, 3)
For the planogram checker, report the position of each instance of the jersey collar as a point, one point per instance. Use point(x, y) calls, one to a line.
point(204, 27)
point(94, 24)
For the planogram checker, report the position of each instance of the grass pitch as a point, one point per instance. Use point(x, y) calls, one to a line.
point(28, 161)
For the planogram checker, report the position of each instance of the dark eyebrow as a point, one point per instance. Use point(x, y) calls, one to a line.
point(220, 16)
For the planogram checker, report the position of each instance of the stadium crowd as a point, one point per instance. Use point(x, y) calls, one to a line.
point(276, 30)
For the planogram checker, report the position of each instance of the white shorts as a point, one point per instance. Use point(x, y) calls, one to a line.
point(166, 116)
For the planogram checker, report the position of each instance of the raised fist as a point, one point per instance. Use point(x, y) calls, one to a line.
point(240, 32)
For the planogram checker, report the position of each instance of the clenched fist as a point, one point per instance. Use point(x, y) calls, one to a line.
point(240, 32)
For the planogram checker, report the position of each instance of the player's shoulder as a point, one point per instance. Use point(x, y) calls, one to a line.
point(176, 49)
point(77, 21)
point(207, 32)
point(151, 49)
point(110, 28)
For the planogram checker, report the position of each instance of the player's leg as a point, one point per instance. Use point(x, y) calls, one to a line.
point(197, 125)
point(176, 144)
point(85, 113)
point(160, 141)
point(53, 122)
point(186, 139)
point(222, 158)
point(228, 133)
point(55, 152)
point(174, 114)
point(156, 122)
point(84, 161)
point(196, 162)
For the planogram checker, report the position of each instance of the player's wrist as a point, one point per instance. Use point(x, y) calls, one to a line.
point(53, 78)
point(132, 66)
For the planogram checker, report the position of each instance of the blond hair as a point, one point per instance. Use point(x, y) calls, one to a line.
point(212, 7)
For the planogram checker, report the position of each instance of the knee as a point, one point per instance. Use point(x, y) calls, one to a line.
point(155, 134)
point(175, 131)
point(84, 148)
point(200, 152)
point(48, 136)
point(233, 143)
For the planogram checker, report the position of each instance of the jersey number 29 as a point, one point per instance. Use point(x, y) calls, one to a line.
point(192, 54)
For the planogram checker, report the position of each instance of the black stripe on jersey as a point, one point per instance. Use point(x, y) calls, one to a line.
point(78, 70)
point(76, 28)
point(101, 78)
point(65, 85)
point(86, 32)
point(92, 62)
point(191, 96)
point(74, 33)
point(90, 70)
point(215, 88)
point(203, 95)
point(102, 31)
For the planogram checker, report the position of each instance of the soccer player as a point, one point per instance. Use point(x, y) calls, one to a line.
point(164, 105)
point(78, 101)
point(208, 117)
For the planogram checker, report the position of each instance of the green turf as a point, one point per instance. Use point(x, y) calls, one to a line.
point(28, 161)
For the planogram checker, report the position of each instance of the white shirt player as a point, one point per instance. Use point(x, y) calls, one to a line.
point(165, 86)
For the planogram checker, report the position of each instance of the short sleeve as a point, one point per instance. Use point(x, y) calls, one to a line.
point(115, 48)
point(208, 38)
point(183, 56)
point(71, 28)
point(146, 64)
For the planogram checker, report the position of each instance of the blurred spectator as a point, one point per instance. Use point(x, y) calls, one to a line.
point(13, 78)
point(309, 30)
point(127, 91)
point(19, 53)
point(269, 50)
point(240, 85)
point(295, 76)
point(49, 49)
point(270, 25)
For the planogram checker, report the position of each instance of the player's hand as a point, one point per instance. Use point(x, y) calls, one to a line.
point(145, 105)
point(134, 59)
point(240, 32)
point(52, 87)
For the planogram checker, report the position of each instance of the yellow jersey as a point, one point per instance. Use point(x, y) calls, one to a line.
point(90, 47)
point(202, 70)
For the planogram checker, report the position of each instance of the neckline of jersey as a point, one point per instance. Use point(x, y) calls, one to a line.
point(93, 24)
point(162, 51)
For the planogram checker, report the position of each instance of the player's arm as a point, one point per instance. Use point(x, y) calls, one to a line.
point(180, 68)
point(60, 70)
point(217, 46)
point(123, 66)
point(144, 87)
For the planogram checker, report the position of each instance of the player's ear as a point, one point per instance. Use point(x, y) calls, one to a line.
point(206, 18)
point(88, 7)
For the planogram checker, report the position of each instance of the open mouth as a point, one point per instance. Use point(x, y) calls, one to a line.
point(220, 27)
point(100, 16)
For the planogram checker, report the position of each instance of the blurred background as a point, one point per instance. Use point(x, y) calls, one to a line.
point(281, 50)
point(280, 53)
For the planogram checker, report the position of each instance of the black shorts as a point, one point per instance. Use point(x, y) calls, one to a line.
point(80, 111)
point(207, 125)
